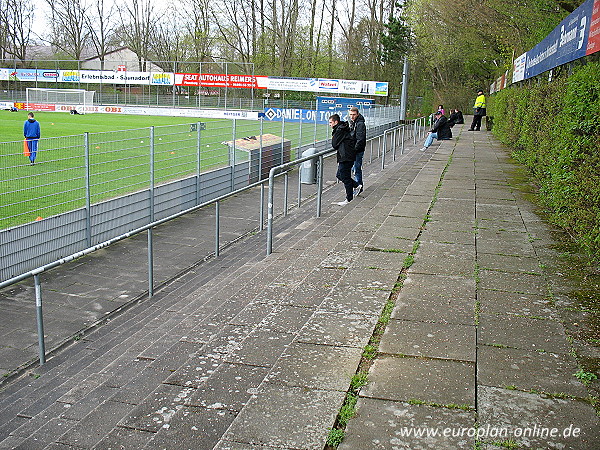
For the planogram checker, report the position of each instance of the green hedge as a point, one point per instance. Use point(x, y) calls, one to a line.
point(553, 128)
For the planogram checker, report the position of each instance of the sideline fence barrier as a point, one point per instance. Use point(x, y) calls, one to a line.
point(283, 169)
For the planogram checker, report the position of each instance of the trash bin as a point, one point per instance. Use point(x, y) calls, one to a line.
point(308, 170)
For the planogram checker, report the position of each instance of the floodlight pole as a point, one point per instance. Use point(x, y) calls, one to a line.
point(404, 89)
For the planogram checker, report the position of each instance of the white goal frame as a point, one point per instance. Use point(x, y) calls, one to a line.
point(77, 98)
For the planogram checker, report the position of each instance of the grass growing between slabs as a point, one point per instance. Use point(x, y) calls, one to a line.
point(120, 157)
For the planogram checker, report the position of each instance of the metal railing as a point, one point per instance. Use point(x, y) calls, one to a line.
point(281, 170)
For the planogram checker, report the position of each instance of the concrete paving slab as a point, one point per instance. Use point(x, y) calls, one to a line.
point(197, 427)
point(502, 302)
point(376, 280)
point(339, 329)
point(92, 428)
point(383, 424)
point(387, 229)
point(379, 260)
point(445, 299)
point(308, 295)
point(493, 193)
point(195, 371)
point(124, 438)
point(528, 419)
point(458, 224)
point(286, 319)
point(352, 299)
point(227, 445)
point(459, 207)
point(456, 191)
point(260, 348)
point(434, 340)
point(513, 282)
point(387, 243)
point(158, 409)
point(228, 387)
point(508, 248)
point(426, 380)
point(462, 237)
point(288, 417)
point(525, 370)
point(497, 211)
point(504, 263)
point(316, 366)
point(252, 314)
point(445, 259)
point(503, 234)
point(52, 429)
point(33, 425)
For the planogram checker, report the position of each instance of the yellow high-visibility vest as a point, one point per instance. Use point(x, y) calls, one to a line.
point(480, 101)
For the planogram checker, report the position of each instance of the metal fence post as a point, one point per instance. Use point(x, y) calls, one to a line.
point(316, 118)
point(415, 132)
point(152, 174)
point(299, 140)
point(150, 264)
point(270, 212)
point(88, 193)
point(285, 193)
point(198, 162)
point(320, 185)
point(384, 150)
point(40, 318)
point(403, 132)
point(261, 225)
point(283, 138)
point(394, 144)
point(232, 158)
point(217, 213)
point(260, 150)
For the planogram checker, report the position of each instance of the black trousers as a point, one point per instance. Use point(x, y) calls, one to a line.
point(476, 125)
point(344, 174)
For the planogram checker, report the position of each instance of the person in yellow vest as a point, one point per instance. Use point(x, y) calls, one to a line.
point(479, 111)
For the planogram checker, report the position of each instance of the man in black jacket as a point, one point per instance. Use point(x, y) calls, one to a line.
point(358, 130)
point(343, 143)
point(440, 130)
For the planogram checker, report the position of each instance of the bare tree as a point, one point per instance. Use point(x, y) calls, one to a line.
point(16, 19)
point(282, 24)
point(68, 24)
point(100, 24)
point(235, 29)
point(138, 22)
point(199, 30)
point(168, 43)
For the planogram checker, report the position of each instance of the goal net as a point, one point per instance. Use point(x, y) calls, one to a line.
point(77, 98)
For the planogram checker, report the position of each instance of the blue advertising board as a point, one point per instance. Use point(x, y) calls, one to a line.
point(296, 115)
point(342, 104)
point(567, 42)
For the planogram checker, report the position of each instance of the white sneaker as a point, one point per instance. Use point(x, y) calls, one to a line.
point(357, 190)
point(344, 203)
point(423, 149)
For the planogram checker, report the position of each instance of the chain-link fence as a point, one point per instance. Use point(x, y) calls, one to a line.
point(74, 171)
point(85, 189)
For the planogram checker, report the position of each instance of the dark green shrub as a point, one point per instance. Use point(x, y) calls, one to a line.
point(553, 128)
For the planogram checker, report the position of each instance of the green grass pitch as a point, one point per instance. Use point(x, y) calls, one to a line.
point(119, 157)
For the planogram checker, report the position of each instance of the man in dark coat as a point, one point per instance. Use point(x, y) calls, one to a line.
point(440, 130)
point(32, 133)
point(358, 129)
point(342, 142)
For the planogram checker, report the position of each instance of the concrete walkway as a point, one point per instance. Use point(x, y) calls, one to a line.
point(248, 352)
